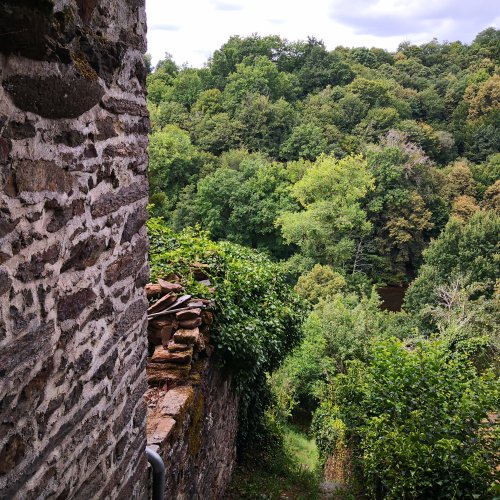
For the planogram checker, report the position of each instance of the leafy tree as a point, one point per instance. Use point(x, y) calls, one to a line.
point(209, 102)
point(186, 87)
point(173, 163)
point(483, 98)
point(468, 250)
point(240, 203)
point(371, 92)
point(486, 43)
point(491, 199)
point(320, 282)
point(318, 68)
point(265, 123)
point(402, 207)
point(237, 49)
point(464, 207)
point(332, 219)
point(260, 77)
point(217, 133)
point(486, 174)
point(306, 141)
point(377, 123)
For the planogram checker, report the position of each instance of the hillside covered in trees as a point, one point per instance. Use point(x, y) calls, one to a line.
point(352, 169)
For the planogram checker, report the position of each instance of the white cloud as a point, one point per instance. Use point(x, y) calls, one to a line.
point(191, 30)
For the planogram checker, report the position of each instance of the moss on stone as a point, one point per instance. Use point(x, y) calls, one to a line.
point(194, 436)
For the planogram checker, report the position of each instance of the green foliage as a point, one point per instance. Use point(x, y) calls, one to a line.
point(305, 141)
point(265, 123)
point(332, 219)
point(469, 250)
point(417, 422)
point(297, 100)
point(217, 205)
point(258, 315)
point(173, 163)
point(320, 283)
point(382, 152)
point(338, 330)
point(402, 207)
point(261, 77)
point(287, 466)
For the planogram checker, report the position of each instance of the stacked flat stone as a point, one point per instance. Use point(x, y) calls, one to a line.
point(177, 331)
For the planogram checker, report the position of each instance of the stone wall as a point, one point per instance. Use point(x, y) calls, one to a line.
point(192, 408)
point(73, 135)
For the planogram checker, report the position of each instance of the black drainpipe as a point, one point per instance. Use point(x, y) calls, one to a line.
point(158, 473)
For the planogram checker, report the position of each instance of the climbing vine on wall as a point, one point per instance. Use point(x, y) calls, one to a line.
point(258, 315)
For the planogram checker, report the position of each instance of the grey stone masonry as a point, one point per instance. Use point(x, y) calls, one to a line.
point(73, 192)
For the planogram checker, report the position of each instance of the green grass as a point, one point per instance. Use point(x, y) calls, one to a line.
point(302, 448)
point(289, 472)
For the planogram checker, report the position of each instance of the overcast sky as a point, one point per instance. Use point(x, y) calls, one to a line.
point(192, 29)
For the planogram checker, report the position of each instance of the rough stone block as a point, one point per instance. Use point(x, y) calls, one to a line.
point(41, 175)
point(175, 401)
point(162, 355)
point(187, 336)
point(159, 430)
point(188, 315)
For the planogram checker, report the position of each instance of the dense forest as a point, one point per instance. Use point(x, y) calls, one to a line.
point(344, 171)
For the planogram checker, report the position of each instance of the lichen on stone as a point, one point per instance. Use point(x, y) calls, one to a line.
point(83, 67)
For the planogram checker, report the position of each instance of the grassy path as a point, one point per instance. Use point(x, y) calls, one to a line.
point(292, 472)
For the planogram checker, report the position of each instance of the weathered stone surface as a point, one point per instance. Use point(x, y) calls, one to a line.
point(121, 106)
point(135, 222)
point(85, 9)
point(73, 351)
point(159, 430)
point(22, 354)
point(53, 96)
point(34, 269)
point(173, 347)
point(162, 355)
point(153, 289)
point(165, 372)
point(7, 225)
point(71, 138)
point(12, 453)
point(5, 147)
point(187, 336)
point(105, 129)
point(168, 287)
point(41, 175)
point(28, 24)
point(71, 306)
point(111, 202)
point(188, 314)
point(62, 214)
point(202, 438)
point(190, 323)
point(163, 303)
point(166, 334)
point(85, 253)
point(18, 130)
point(125, 266)
point(5, 281)
point(174, 402)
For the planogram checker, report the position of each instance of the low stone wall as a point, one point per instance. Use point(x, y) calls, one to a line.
point(192, 408)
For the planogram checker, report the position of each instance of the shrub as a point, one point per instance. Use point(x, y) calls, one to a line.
point(416, 419)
